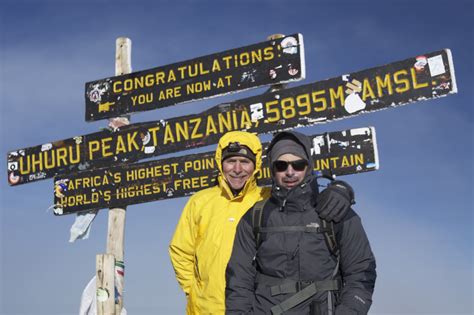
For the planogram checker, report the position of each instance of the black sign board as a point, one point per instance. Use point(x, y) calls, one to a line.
point(269, 62)
point(336, 153)
point(419, 78)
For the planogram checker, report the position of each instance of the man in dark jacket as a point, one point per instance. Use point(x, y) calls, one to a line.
point(288, 262)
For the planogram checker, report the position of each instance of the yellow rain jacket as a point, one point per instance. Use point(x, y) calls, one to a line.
point(203, 239)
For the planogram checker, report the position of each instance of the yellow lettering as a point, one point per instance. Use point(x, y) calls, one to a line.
point(245, 121)
point(70, 185)
point(268, 53)
point(345, 162)
point(224, 122)
point(78, 154)
point(196, 123)
point(216, 66)
point(367, 90)
point(160, 77)
point(120, 146)
point(154, 131)
point(116, 87)
point(149, 80)
point(256, 56)
point(62, 156)
point(385, 83)
point(359, 159)
point(302, 101)
point(182, 131)
point(404, 81)
point(171, 76)
point(210, 126)
point(202, 70)
point(131, 141)
point(227, 61)
point(181, 71)
point(94, 146)
point(339, 94)
point(117, 178)
point(106, 146)
point(415, 81)
point(49, 161)
point(168, 135)
point(220, 83)
point(317, 100)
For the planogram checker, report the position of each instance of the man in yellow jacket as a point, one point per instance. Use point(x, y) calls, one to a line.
point(202, 243)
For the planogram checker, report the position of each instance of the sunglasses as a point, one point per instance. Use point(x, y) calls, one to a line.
point(281, 166)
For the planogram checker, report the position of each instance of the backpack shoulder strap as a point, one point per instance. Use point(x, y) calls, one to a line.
point(257, 214)
point(330, 236)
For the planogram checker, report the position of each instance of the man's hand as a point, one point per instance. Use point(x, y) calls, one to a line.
point(334, 201)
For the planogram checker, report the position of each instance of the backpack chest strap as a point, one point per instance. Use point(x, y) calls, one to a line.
point(285, 286)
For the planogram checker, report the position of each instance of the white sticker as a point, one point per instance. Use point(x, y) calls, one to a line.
point(46, 147)
point(146, 138)
point(436, 65)
point(317, 143)
point(256, 111)
point(149, 149)
point(354, 103)
point(12, 166)
point(102, 294)
point(360, 131)
point(290, 45)
point(58, 210)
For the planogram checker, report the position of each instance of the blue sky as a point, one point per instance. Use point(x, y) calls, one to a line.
point(417, 209)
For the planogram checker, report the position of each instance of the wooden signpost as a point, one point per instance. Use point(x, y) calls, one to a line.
point(94, 171)
point(110, 267)
point(423, 77)
point(336, 153)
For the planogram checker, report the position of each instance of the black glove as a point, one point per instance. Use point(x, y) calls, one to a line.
point(334, 201)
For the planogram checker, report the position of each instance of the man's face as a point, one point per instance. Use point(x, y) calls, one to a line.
point(289, 177)
point(237, 170)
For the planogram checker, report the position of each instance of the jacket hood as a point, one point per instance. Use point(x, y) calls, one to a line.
point(251, 141)
point(300, 138)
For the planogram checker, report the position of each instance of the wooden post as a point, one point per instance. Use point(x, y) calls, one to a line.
point(105, 284)
point(116, 225)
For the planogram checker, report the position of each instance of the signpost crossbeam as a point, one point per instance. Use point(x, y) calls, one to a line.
point(274, 61)
point(423, 77)
point(336, 153)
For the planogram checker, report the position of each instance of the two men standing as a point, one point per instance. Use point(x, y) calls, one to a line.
point(202, 244)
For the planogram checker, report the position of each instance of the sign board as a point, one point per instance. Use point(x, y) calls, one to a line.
point(419, 78)
point(336, 153)
point(275, 61)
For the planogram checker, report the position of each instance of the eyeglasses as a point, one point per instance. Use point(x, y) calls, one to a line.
point(298, 165)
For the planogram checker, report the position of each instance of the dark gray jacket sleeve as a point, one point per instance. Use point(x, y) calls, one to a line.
point(241, 271)
point(357, 267)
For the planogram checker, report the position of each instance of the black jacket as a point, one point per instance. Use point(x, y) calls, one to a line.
point(298, 256)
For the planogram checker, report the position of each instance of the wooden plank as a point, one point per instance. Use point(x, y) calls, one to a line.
point(105, 284)
point(273, 61)
point(415, 79)
point(336, 153)
point(116, 222)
